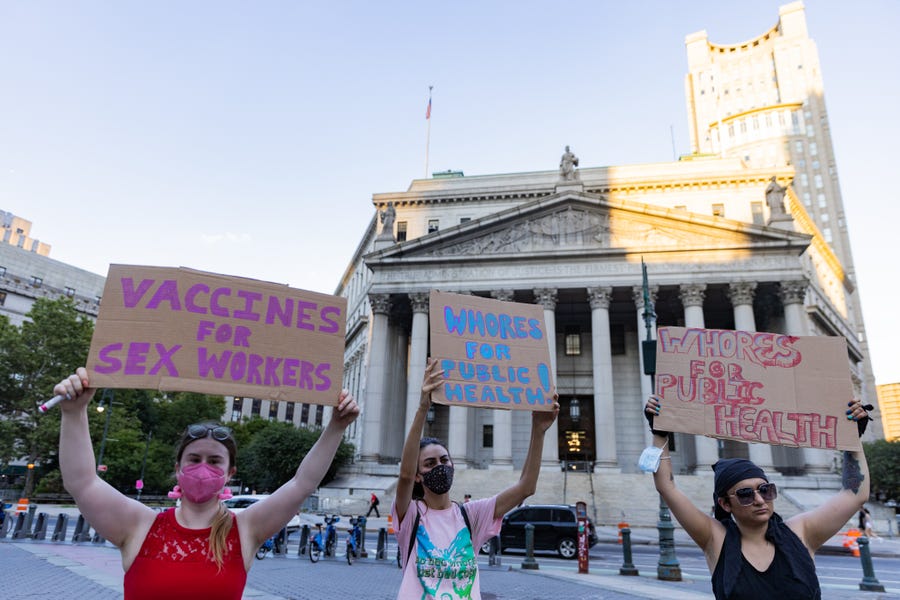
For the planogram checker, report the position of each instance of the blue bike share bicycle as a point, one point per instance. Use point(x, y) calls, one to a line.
point(324, 542)
point(354, 535)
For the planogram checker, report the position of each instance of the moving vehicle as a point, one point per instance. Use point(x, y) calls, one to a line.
point(555, 529)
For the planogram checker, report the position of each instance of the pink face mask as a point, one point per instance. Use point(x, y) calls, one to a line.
point(200, 482)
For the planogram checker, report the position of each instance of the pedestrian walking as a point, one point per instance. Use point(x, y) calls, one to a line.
point(373, 505)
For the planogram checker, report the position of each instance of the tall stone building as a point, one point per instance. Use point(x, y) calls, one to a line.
point(889, 403)
point(763, 101)
point(736, 236)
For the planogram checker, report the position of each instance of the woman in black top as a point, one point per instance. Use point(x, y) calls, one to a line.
point(750, 551)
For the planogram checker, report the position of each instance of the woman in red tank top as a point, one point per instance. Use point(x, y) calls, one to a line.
point(199, 549)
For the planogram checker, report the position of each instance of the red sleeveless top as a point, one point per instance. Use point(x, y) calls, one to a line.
point(175, 563)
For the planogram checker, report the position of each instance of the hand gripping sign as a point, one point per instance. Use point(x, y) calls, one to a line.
point(179, 329)
point(755, 387)
point(494, 354)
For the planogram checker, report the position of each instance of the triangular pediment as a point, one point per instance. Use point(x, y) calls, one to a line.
point(580, 223)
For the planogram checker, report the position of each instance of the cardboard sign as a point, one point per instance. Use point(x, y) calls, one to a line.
point(755, 387)
point(494, 354)
point(184, 330)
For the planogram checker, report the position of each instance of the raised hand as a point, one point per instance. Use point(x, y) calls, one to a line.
point(346, 411)
point(75, 390)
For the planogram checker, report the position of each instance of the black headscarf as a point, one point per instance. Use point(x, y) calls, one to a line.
point(729, 471)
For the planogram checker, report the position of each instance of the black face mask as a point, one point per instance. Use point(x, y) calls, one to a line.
point(439, 479)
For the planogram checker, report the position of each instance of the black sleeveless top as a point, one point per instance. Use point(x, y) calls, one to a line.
point(792, 573)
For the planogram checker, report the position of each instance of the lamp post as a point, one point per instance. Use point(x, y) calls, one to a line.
point(668, 568)
point(105, 405)
point(144, 466)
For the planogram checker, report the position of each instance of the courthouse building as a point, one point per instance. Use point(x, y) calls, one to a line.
point(745, 233)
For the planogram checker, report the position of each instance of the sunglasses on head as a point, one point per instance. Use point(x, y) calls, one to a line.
point(745, 496)
point(218, 432)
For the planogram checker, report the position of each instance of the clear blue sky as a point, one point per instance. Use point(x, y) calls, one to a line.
point(248, 137)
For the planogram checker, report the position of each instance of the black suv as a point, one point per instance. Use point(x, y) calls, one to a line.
point(555, 529)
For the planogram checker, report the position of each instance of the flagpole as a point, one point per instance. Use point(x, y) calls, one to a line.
point(428, 130)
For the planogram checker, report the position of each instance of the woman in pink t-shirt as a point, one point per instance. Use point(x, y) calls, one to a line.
point(446, 540)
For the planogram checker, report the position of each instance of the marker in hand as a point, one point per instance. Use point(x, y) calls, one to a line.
point(52, 402)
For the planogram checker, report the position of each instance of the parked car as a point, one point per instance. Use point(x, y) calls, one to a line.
point(555, 529)
point(239, 503)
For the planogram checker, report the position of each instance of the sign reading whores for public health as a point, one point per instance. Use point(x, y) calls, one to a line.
point(755, 387)
point(494, 354)
point(183, 330)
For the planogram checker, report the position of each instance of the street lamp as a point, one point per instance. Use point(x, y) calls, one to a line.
point(575, 410)
point(107, 399)
point(429, 417)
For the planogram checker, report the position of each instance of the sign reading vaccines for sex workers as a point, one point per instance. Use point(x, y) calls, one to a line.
point(494, 354)
point(755, 387)
point(177, 329)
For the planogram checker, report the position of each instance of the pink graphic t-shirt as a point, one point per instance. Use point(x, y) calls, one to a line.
point(444, 561)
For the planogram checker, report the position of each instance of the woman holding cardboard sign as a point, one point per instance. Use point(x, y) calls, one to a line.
point(199, 549)
point(446, 537)
point(750, 551)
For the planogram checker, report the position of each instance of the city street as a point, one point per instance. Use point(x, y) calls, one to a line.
point(34, 569)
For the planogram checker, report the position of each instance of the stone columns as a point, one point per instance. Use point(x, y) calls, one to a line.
point(741, 295)
point(546, 297)
point(646, 384)
point(707, 449)
point(502, 458)
point(792, 294)
point(374, 402)
point(604, 399)
point(418, 354)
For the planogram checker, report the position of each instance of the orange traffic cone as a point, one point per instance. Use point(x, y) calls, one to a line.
point(390, 524)
point(23, 505)
point(622, 526)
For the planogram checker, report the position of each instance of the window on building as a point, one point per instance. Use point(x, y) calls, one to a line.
point(801, 164)
point(464, 220)
point(680, 207)
point(718, 210)
point(304, 414)
point(823, 202)
point(401, 231)
point(320, 414)
point(70, 292)
point(487, 436)
point(798, 146)
point(743, 126)
point(731, 130)
point(273, 410)
point(2, 298)
point(810, 132)
point(289, 412)
point(815, 165)
point(36, 281)
point(2, 271)
point(818, 179)
point(806, 199)
point(255, 407)
point(573, 343)
point(823, 217)
point(433, 225)
point(826, 233)
point(756, 209)
point(804, 179)
point(236, 405)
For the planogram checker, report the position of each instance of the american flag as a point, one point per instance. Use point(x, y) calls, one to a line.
point(428, 110)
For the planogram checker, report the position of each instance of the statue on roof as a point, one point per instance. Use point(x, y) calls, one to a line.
point(567, 165)
point(775, 196)
point(387, 219)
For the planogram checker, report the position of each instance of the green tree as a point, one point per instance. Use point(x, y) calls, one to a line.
point(33, 358)
point(884, 468)
point(276, 450)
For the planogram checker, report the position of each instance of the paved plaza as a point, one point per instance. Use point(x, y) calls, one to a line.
point(34, 569)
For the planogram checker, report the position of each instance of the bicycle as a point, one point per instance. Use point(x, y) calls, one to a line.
point(324, 543)
point(353, 540)
point(267, 546)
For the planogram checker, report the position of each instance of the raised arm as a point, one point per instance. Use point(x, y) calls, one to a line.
point(703, 529)
point(817, 526)
point(266, 517)
point(112, 514)
point(527, 484)
point(409, 460)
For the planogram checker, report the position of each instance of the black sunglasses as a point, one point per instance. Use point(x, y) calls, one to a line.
point(745, 496)
point(218, 432)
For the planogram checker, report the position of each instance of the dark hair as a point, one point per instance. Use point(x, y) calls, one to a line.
point(418, 492)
